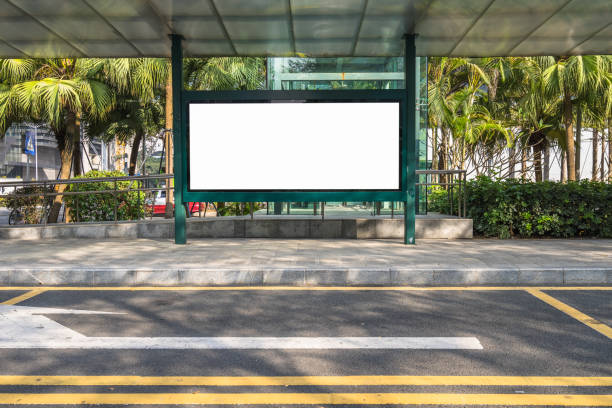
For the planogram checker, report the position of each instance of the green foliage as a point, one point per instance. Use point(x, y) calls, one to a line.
point(227, 209)
point(511, 208)
point(100, 207)
point(32, 208)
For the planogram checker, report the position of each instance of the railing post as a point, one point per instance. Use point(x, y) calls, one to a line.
point(114, 199)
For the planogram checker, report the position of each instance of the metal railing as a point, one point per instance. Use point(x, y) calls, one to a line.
point(140, 184)
point(453, 181)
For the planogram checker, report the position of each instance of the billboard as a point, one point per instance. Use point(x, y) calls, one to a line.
point(293, 146)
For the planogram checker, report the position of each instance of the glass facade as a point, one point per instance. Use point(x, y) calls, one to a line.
point(350, 73)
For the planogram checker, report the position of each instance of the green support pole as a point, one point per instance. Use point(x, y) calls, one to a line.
point(412, 124)
point(180, 236)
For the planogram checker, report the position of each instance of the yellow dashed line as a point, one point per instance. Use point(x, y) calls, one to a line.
point(309, 399)
point(575, 313)
point(23, 297)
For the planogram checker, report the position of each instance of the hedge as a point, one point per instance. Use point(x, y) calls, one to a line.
point(100, 207)
point(526, 209)
point(515, 208)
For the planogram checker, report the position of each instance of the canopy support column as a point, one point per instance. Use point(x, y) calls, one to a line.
point(412, 123)
point(180, 236)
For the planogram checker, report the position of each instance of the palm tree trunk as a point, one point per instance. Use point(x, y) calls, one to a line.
point(546, 163)
point(569, 135)
point(609, 150)
point(537, 162)
point(602, 172)
point(523, 162)
point(169, 150)
point(563, 166)
point(578, 139)
point(134, 152)
point(443, 155)
point(65, 146)
point(511, 162)
point(595, 154)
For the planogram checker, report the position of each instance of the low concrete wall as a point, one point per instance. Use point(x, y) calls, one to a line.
point(444, 227)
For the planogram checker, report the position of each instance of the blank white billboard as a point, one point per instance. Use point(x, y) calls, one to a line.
point(294, 146)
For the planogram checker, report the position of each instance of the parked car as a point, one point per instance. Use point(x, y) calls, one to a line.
point(158, 204)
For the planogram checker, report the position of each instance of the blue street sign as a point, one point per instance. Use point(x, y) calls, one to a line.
point(30, 143)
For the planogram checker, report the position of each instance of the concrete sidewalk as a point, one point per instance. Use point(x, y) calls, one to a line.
point(305, 262)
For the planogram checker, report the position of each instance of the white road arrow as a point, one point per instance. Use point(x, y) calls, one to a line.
point(24, 327)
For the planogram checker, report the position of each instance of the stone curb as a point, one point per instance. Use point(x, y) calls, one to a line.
point(302, 276)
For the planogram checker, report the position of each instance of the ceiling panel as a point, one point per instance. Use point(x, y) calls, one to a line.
point(88, 28)
point(100, 48)
point(41, 49)
point(251, 8)
point(324, 48)
point(120, 8)
point(257, 48)
point(275, 28)
point(188, 8)
point(24, 29)
point(203, 28)
point(209, 48)
point(317, 27)
point(10, 52)
point(390, 27)
point(333, 27)
point(326, 7)
point(136, 29)
point(369, 48)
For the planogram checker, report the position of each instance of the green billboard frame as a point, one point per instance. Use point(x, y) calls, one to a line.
point(409, 127)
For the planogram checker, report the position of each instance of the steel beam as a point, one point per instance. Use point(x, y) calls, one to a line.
point(180, 236)
point(411, 132)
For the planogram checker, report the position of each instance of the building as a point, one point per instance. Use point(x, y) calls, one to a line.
point(294, 74)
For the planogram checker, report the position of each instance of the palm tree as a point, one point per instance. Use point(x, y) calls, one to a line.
point(60, 92)
point(569, 79)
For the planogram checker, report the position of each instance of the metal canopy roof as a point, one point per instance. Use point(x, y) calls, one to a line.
point(132, 28)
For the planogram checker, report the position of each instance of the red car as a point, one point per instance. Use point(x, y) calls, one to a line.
point(159, 204)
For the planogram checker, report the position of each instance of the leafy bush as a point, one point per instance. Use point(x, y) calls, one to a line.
point(526, 209)
point(437, 199)
point(100, 207)
point(233, 208)
point(32, 208)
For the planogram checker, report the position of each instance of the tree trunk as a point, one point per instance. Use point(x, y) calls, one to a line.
point(569, 135)
point(442, 155)
point(602, 165)
point(578, 139)
point(434, 147)
point(65, 146)
point(168, 146)
point(609, 150)
point(537, 162)
point(523, 162)
point(511, 162)
point(134, 153)
point(563, 166)
point(546, 163)
point(595, 154)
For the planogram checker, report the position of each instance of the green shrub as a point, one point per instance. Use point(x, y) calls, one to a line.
point(100, 207)
point(526, 209)
point(437, 199)
point(32, 208)
point(233, 208)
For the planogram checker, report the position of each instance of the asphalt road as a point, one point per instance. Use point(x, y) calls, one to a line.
point(567, 345)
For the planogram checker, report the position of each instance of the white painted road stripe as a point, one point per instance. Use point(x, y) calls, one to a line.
point(25, 327)
point(218, 343)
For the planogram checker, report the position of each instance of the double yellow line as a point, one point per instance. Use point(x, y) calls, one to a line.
point(303, 398)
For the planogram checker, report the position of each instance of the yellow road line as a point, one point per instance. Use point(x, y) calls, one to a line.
point(575, 313)
point(23, 297)
point(310, 399)
point(305, 288)
point(354, 380)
